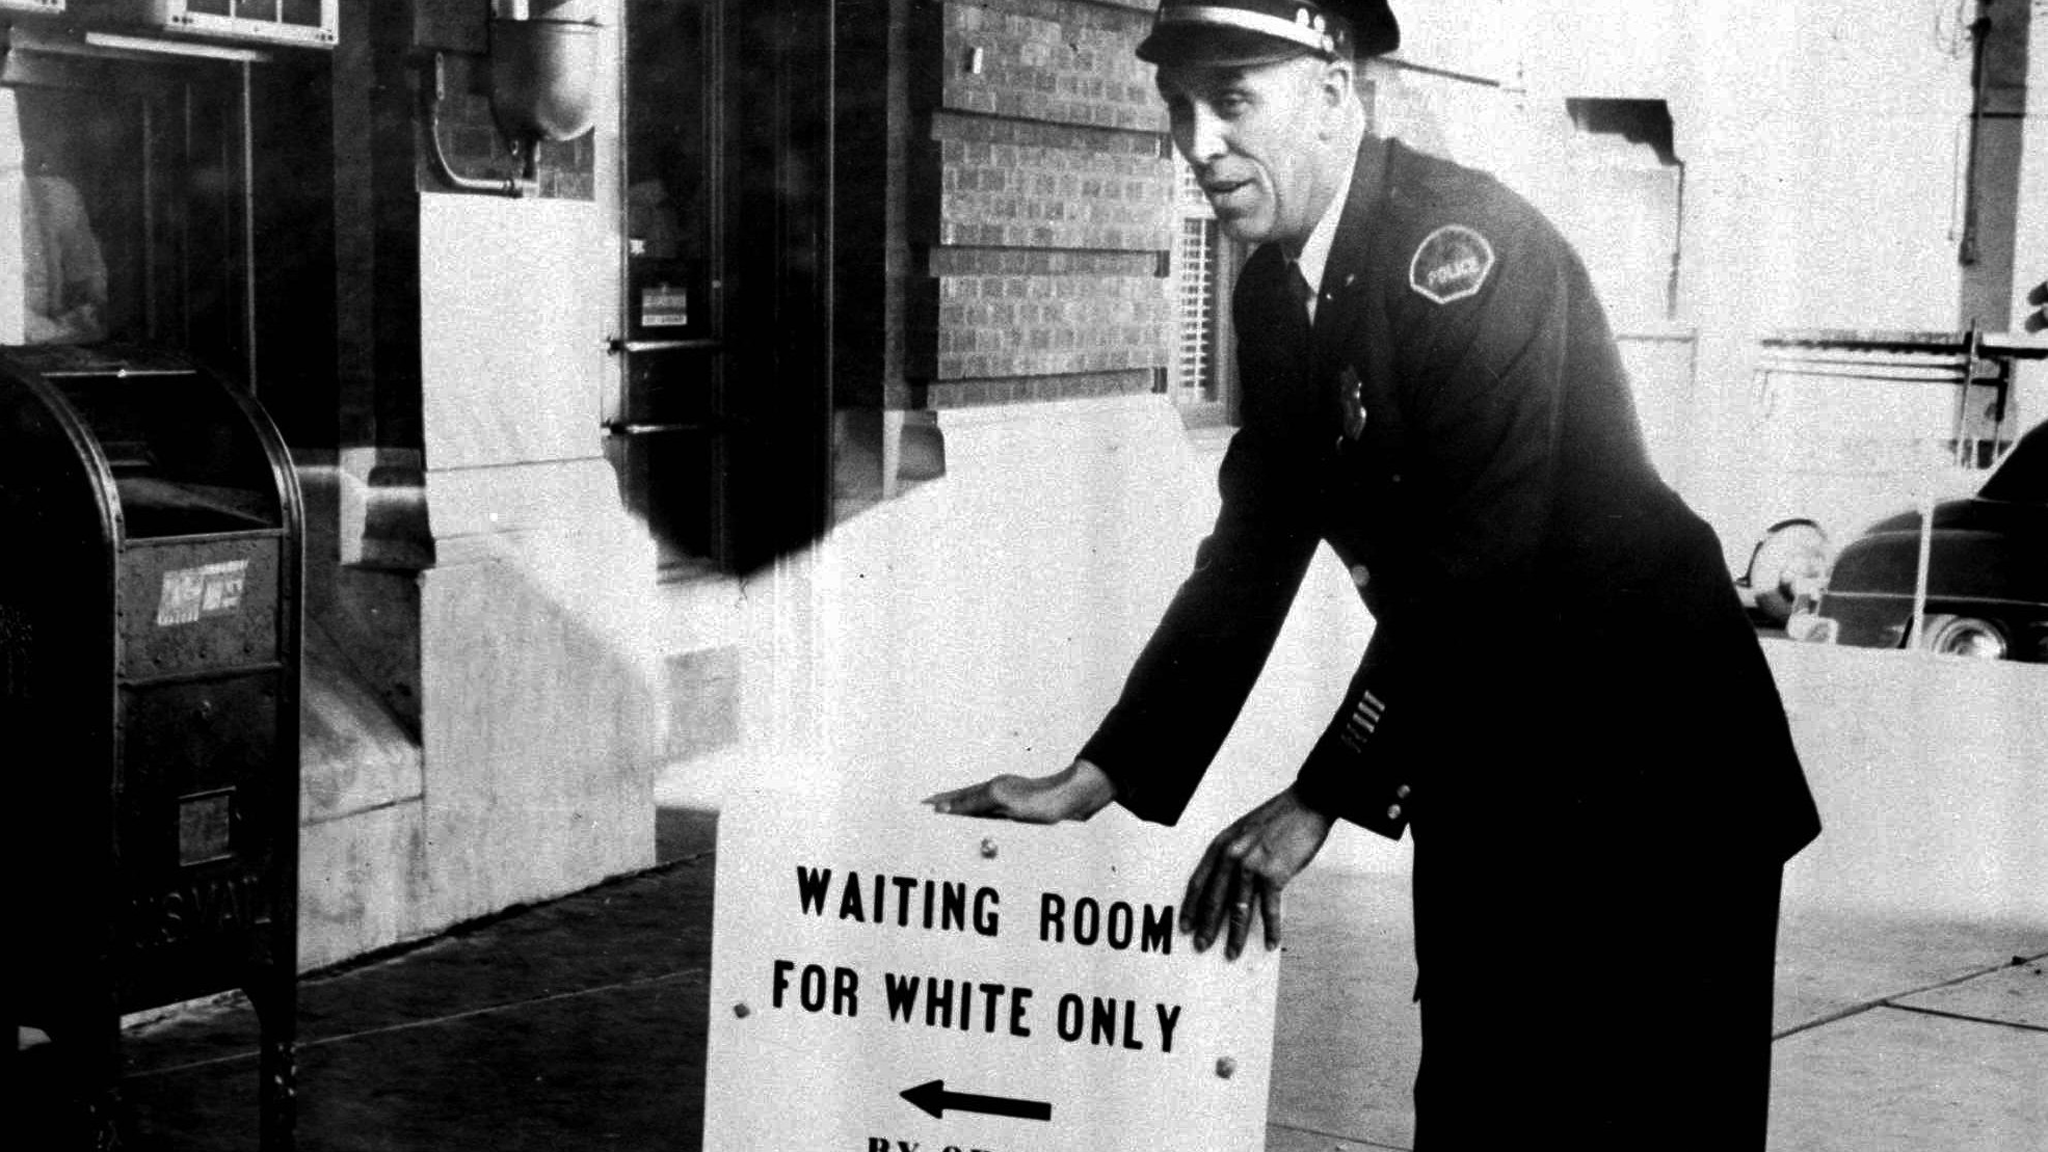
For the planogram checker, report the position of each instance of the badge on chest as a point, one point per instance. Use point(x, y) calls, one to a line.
point(1351, 402)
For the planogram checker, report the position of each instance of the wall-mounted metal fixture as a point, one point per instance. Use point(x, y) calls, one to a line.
point(544, 72)
point(544, 77)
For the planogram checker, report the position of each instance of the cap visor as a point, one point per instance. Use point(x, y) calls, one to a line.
point(1210, 47)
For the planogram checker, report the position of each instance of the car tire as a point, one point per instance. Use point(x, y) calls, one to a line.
point(1939, 632)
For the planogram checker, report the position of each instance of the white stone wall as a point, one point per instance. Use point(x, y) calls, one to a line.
point(540, 678)
point(984, 623)
point(1928, 772)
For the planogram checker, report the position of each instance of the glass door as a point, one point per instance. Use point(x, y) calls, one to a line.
point(719, 430)
point(131, 178)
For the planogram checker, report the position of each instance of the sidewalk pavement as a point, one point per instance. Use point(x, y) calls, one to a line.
point(579, 1024)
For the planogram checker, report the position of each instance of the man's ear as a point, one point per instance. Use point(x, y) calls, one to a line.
point(1333, 89)
point(1337, 79)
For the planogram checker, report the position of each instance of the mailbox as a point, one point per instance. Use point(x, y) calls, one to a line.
point(149, 675)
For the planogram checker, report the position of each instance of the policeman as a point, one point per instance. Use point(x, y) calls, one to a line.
point(1562, 699)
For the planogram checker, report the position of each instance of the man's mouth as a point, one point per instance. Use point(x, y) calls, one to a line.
point(1231, 197)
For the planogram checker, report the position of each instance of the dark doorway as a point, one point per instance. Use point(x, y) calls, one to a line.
point(720, 432)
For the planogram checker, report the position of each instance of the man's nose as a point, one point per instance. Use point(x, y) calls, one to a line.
point(1204, 137)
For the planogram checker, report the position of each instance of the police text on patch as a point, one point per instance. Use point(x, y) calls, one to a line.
point(1450, 264)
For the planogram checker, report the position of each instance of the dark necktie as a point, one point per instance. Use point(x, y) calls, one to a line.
point(1303, 294)
point(1297, 324)
point(1344, 404)
point(1296, 339)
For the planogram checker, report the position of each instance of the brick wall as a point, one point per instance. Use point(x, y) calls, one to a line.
point(1044, 217)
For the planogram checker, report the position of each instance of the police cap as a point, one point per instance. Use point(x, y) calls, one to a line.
point(1241, 33)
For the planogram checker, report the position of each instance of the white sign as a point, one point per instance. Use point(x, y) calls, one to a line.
point(900, 981)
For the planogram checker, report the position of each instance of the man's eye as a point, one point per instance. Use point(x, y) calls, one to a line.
point(1232, 106)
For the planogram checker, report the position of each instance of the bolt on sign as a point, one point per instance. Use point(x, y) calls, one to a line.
point(897, 981)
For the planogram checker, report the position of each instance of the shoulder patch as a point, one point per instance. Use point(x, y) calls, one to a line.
point(1450, 264)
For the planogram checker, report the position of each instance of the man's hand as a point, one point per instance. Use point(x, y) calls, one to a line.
point(1075, 793)
point(1247, 865)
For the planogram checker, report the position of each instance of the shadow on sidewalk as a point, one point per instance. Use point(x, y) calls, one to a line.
point(578, 1023)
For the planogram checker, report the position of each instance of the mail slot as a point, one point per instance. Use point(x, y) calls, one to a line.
point(149, 675)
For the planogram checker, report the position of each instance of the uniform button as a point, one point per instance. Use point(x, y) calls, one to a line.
point(1393, 811)
point(1361, 575)
point(1401, 793)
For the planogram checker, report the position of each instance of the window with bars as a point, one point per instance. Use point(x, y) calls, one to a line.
point(1194, 378)
point(1197, 382)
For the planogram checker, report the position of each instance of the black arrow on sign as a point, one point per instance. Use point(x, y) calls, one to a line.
point(934, 1099)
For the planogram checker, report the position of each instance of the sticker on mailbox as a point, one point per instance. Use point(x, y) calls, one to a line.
point(189, 594)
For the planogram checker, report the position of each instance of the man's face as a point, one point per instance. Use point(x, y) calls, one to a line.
point(1257, 138)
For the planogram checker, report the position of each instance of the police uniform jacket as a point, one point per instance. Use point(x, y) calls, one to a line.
point(1553, 626)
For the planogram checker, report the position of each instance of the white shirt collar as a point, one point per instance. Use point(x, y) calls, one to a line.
point(1315, 251)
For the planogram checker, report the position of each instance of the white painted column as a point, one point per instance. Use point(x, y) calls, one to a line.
point(13, 257)
point(2030, 231)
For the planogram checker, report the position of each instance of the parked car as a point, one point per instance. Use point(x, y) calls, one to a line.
point(1842, 429)
point(1987, 572)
